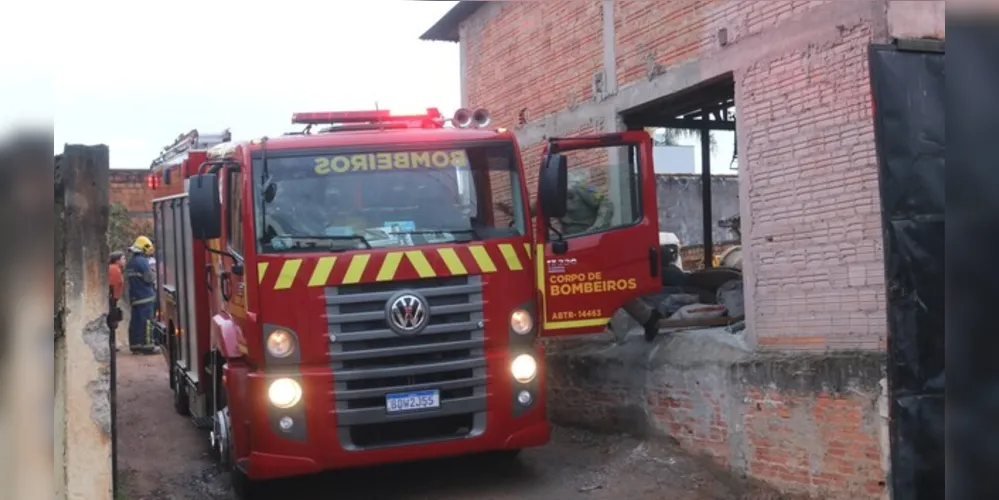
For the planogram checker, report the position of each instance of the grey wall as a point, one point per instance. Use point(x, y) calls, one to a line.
point(679, 197)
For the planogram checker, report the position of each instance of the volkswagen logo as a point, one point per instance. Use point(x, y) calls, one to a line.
point(407, 313)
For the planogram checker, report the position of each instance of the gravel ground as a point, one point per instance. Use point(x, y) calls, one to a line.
point(163, 457)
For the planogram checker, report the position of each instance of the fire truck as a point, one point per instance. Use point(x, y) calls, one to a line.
point(352, 293)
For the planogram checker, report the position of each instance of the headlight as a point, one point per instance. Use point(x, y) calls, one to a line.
point(284, 393)
point(280, 344)
point(521, 322)
point(524, 368)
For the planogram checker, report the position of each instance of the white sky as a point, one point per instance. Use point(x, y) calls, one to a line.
point(143, 73)
point(135, 75)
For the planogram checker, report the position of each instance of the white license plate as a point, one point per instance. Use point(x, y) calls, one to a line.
point(409, 401)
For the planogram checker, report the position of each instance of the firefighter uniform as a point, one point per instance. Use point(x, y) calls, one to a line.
point(141, 294)
point(587, 209)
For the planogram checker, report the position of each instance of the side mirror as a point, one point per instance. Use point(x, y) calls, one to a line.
point(553, 186)
point(205, 206)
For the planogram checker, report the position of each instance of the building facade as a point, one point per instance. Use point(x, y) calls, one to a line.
point(813, 266)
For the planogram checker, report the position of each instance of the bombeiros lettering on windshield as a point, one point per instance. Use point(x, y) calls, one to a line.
point(339, 164)
point(593, 282)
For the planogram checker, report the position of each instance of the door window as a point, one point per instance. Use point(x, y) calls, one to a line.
point(604, 191)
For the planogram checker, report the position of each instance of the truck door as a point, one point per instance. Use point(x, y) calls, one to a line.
point(604, 250)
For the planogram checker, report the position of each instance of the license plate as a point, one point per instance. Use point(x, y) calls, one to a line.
point(409, 401)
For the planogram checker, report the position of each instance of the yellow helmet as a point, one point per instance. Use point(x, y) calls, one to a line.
point(144, 244)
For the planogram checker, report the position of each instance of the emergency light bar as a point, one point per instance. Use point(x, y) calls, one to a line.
point(384, 119)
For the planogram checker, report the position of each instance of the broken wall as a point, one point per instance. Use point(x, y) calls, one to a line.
point(83, 417)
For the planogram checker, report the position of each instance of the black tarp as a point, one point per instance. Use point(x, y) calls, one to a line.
point(909, 95)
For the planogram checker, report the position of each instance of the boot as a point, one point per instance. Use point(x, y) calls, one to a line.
point(652, 325)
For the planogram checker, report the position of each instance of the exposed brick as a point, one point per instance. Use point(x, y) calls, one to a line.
point(805, 123)
point(129, 188)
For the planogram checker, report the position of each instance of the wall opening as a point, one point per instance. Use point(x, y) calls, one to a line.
point(698, 196)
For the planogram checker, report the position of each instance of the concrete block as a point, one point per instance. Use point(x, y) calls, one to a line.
point(83, 353)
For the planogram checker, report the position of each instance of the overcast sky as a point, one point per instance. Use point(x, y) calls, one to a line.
point(135, 75)
point(144, 73)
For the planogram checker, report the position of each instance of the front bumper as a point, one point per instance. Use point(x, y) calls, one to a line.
point(320, 439)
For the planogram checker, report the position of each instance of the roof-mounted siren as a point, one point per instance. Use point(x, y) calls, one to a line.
point(462, 118)
point(465, 118)
point(481, 118)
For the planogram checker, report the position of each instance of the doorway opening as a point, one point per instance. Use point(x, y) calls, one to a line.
point(697, 186)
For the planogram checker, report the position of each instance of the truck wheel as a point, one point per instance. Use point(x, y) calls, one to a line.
point(181, 403)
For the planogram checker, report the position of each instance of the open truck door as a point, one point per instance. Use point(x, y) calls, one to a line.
point(597, 229)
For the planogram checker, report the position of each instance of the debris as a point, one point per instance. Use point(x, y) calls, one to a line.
point(585, 489)
point(699, 311)
point(674, 302)
point(730, 295)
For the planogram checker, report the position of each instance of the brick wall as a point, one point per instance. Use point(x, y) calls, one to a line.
point(809, 196)
point(129, 188)
point(810, 213)
point(807, 424)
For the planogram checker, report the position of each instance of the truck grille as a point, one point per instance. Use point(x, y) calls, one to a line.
point(370, 361)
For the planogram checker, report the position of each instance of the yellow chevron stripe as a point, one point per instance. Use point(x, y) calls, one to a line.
point(420, 263)
point(389, 267)
point(540, 273)
point(356, 268)
point(322, 272)
point(452, 261)
point(527, 248)
point(287, 275)
point(482, 259)
point(510, 256)
point(261, 270)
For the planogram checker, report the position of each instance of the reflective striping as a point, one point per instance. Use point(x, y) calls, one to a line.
point(389, 266)
point(287, 275)
point(261, 270)
point(356, 269)
point(420, 263)
point(539, 271)
point(510, 255)
point(321, 274)
point(452, 261)
point(563, 325)
point(482, 259)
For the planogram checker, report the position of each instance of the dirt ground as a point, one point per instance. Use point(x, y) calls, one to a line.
point(162, 456)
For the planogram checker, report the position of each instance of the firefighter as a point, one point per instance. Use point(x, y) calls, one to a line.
point(142, 296)
point(587, 209)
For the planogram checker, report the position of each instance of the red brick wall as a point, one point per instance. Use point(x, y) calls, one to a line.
point(537, 55)
point(129, 188)
point(805, 425)
point(812, 228)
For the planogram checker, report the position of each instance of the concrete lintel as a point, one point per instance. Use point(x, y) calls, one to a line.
point(818, 25)
point(84, 351)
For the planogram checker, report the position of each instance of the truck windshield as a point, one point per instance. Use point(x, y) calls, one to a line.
point(336, 201)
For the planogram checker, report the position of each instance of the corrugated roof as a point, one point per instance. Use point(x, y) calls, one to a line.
point(446, 28)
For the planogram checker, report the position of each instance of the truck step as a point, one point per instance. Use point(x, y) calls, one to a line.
point(203, 423)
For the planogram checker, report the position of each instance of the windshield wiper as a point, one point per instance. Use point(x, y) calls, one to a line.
point(472, 231)
point(325, 237)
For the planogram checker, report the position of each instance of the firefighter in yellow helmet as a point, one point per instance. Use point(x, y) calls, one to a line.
point(142, 296)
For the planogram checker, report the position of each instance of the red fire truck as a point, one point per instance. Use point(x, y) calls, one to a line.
point(368, 290)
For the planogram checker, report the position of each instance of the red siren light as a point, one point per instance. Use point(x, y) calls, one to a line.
point(153, 181)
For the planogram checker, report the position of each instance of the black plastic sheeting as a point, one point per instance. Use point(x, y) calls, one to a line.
point(909, 94)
